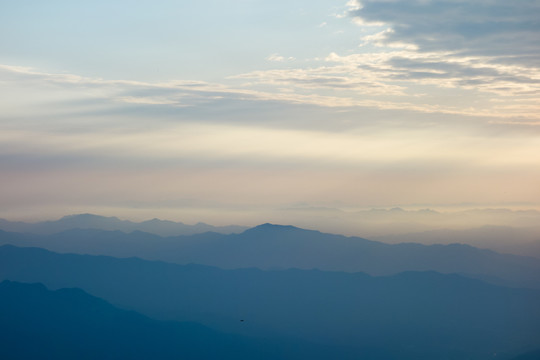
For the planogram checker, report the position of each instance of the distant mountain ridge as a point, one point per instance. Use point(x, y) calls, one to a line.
point(378, 222)
point(413, 315)
point(91, 221)
point(270, 246)
point(504, 239)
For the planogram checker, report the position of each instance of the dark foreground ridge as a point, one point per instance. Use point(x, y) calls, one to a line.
point(70, 324)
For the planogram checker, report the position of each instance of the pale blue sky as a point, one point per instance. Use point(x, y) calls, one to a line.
point(160, 40)
point(230, 111)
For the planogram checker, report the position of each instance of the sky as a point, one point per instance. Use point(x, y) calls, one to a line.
point(239, 111)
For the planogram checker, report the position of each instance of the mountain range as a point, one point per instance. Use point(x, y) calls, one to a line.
point(91, 221)
point(523, 241)
point(520, 238)
point(161, 289)
point(282, 247)
point(412, 315)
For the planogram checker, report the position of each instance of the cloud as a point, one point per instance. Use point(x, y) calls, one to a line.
point(320, 78)
point(279, 58)
point(311, 97)
point(507, 30)
point(275, 57)
point(88, 100)
point(113, 142)
point(398, 73)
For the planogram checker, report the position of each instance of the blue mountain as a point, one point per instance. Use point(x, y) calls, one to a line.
point(91, 221)
point(282, 247)
point(412, 315)
point(36, 323)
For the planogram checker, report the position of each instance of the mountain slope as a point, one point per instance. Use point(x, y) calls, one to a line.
point(280, 247)
point(533, 355)
point(36, 323)
point(423, 315)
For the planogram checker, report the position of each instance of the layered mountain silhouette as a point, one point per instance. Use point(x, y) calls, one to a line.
point(281, 247)
point(91, 221)
point(36, 323)
point(504, 239)
point(413, 315)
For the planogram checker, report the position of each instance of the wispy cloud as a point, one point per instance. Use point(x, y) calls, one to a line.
point(399, 73)
point(376, 75)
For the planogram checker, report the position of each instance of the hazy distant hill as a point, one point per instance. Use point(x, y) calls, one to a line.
point(282, 247)
point(411, 315)
point(372, 223)
point(36, 323)
point(90, 221)
point(504, 239)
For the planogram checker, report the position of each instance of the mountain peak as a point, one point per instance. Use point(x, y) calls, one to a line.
point(275, 226)
point(268, 227)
